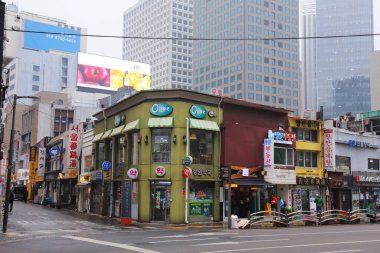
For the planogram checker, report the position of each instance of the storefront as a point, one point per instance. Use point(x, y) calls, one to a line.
point(145, 142)
point(96, 192)
point(309, 166)
point(366, 190)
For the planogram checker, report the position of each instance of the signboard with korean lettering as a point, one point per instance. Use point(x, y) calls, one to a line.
point(41, 162)
point(282, 137)
point(73, 147)
point(268, 152)
point(329, 149)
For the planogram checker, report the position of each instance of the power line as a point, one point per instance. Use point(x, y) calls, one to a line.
point(196, 39)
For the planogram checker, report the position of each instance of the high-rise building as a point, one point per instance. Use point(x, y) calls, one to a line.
point(242, 58)
point(308, 54)
point(170, 59)
point(341, 59)
point(375, 80)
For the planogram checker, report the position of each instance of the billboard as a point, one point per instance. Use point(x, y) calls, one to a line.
point(52, 40)
point(100, 72)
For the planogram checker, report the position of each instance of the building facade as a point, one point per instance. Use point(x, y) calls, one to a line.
point(251, 67)
point(171, 60)
point(343, 58)
point(140, 145)
point(375, 80)
point(308, 54)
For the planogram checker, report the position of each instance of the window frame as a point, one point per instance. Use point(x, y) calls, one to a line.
point(192, 131)
point(153, 143)
point(313, 160)
point(374, 160)
point(286, 156)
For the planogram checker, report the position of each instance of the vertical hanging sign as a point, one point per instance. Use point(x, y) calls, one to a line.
point(329, 149)
point(73, 150)
point(126, 203)
point(41, 162)
point(268, 152)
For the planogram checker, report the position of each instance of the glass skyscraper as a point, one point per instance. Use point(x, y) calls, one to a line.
point(343, 63)
point(248, 55)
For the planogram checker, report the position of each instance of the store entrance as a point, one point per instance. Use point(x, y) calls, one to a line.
point(248, 199)
point(160, 201)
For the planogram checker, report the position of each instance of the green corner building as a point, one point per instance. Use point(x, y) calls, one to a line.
point(140, 145)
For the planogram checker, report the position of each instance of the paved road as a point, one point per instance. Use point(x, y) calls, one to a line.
point(33, 228)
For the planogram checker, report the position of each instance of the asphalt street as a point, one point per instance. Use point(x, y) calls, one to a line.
point(34, 228)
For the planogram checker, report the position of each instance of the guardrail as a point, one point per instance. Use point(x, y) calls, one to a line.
point(308, 218)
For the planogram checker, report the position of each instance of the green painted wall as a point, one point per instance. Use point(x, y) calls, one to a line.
point(174, 170)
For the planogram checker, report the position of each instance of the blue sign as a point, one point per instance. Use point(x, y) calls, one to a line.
point(106, 166)
point(126, 202)
point(98, 175)
point(161, 109)
point(54, 151)
point(198, 111)
point(52, 37)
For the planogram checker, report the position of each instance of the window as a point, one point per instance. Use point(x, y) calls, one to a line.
point(283, 156)
point(373, 164)
point(306, 134)
point(201, 146)
point(161, 145)
point(343, 163)
point(36, 68)
point(120, 154)
point(35, 88)
point(36, 78)
point(133, 155)
point(307, 159)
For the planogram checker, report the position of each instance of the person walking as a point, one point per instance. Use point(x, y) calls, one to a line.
point(282, 205)
point(273, 205)
point(25, 195)
point(319, 203)
point(11, 199)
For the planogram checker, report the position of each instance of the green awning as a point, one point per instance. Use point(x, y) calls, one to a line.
point(117, 130)
point(107, 134)
point(160, 122)
point(97, 137)
point(132, 126)
point(204, 124)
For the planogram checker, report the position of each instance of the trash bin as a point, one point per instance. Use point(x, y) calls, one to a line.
point(234, 221)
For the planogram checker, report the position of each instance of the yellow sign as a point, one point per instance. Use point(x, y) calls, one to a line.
point(308, 172)
point(72, 173)
point(32, 170)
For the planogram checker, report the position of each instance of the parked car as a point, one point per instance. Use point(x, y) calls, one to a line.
point(19, 191)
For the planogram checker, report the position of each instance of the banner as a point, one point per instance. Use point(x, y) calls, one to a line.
point(41, 162)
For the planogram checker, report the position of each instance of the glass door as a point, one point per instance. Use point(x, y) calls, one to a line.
point(160, 201)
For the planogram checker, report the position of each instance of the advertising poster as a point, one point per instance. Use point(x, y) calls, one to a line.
point(100, 72)
point(56, 40)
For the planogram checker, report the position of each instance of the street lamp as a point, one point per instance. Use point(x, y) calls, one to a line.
point(10, 158)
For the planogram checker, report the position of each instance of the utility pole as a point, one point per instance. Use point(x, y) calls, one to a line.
point(10, 161)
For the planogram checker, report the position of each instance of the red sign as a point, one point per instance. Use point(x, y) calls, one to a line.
point(160, 171)
point(186, 172)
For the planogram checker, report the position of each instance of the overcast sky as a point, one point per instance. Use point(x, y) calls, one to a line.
point(106, 18)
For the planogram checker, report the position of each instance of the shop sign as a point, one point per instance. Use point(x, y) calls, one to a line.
point(41, 162)
point(71, 173)
point(107, 175)
point(211, 114)
point(188, 160)
point(282, 137)
point(216, 92)
point(268, 152)
point(133, 173)
point(275, 176)
point(119, 119)
point(366, 179)
point(329, 149)
point(200, 209)
point(223, 172)
point(73, 146)
point(245, 172)
point(308, 123)
point(198, 111)
point(54, 151)
point(201, 172)
point(187, 172)
point(161, 109)
point(106, 165)
point(160, 171)
point(361, 144)
point(33, 154)
point(312, 181)
point(126, 202)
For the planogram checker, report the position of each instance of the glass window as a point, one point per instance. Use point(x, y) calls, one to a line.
point(161, 145)
point(283, 156)
point(373, 164)
point(133, 148)
point(343, 163)
point(201, 146)
point(306, 134)
point(307, 159)
point(36, 78)
point(120, 154)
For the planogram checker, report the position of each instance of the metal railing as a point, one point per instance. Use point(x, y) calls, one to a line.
point(308, 218)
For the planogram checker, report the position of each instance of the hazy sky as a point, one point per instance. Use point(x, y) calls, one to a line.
point(106, 18)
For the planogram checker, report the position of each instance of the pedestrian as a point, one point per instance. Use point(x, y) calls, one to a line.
point(11, 198)
point(273, 205)
point(282, 205)
point(319, 203)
